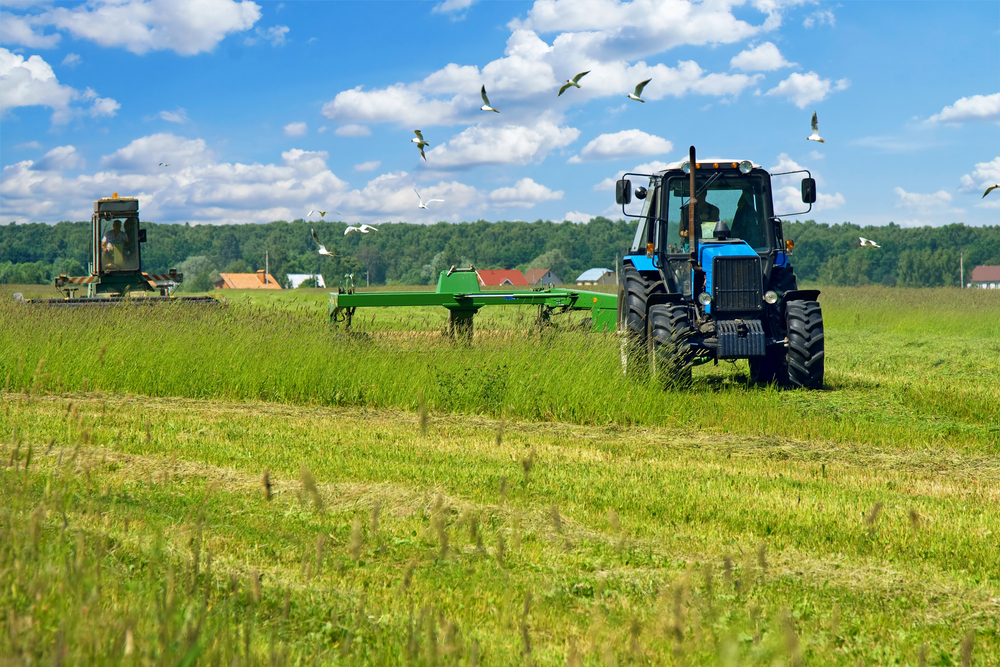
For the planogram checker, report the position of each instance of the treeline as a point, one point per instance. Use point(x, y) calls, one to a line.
point(401, 253)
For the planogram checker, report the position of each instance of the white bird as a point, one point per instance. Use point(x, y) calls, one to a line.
point(419, 141)
point(364, 229)
point(865, 242)
point(815, 135)
point(990, 189)
point(486, 102)
point(322, 248)
point(574, 82)
point(422, 203)
point(164, 165)
point(322, 214)
point(638, 92)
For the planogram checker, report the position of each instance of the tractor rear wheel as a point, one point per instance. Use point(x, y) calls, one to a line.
point(805, 344)
point(634, 291)
point(669, 344)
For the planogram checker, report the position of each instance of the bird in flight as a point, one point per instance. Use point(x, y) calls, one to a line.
point(486, 102)
point(164, 165)
point(419, 141)
point(990, 189)
point(322, 248)
point(815, 135)
point(574, 82)
point(364, 229)
point(865, 242)
point(322, 214)
point(422, 203)
point(637, 95)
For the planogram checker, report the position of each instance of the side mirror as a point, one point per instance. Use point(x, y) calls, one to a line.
point(623, 191)
point(640, 192)
point(142, 236)
point(809, 190)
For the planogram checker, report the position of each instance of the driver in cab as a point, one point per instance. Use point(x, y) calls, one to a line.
point(705, 216)
point(114, 238)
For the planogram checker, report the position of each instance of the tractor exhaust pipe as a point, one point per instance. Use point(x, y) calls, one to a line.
point(692, 200)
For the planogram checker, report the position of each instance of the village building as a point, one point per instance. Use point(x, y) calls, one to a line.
point(296, 279)
point(597, 277)
point(985, 277)
point(542, 277)
point(259, 280)
point(501, 277)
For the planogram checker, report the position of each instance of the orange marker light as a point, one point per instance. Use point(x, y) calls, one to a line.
point(715, 165)
point(789, 244)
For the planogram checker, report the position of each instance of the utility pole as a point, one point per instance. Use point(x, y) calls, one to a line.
point(961, 271)
point(267, 267)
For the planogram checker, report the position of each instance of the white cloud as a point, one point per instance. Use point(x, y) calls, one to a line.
point(804, 89)
point(984, 175)
point(31, 82)
point(763, 58)
point(450, 6)
point(352, 131)
point(371, 165)
point(72, 60)
point(508, 144)
point(627, 143)
point(60, 157)
point(977, 107)
point(820, 17)
point(29, 144)
point(523, 194)
point(608, 184)
point(912, 200)
point(187, 27)
point(788, 189)
point(179, 116)
point(24, 30)
point(578, 217)
point(275, 34)
point(295, 129)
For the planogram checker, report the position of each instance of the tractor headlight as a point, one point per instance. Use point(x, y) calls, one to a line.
point(771, 297)
point(704, 298)
point(746, 167)
point(686, 167)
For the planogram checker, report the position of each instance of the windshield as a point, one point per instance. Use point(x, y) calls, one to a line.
point(736, 200)
point(119, 245)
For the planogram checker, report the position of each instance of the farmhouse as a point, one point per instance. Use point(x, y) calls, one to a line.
point(542, 277)
point(597, 277)
point(296, 279)
point(259, 280)
point(985, 277)
point(500, 277)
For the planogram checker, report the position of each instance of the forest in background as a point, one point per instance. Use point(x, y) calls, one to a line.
point(402, 253)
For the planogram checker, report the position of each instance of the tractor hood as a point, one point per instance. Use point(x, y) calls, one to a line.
point(708, 251)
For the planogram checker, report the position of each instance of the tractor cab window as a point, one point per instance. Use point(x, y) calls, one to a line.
point(645, 231)
point(119, 245)
point(736, 200)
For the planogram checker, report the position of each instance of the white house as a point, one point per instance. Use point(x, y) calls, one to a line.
point(597, 277)
point(296, 279)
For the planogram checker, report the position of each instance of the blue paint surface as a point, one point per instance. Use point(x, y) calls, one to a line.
point(641, 262)
point(707, 252)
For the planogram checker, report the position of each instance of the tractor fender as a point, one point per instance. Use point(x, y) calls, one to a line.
point(801, 295)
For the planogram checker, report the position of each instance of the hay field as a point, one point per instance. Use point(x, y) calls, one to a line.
point(511, 502)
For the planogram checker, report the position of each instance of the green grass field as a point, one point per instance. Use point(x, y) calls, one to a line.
point(541, 509)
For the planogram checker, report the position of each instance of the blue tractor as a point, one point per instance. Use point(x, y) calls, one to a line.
point(708, 277)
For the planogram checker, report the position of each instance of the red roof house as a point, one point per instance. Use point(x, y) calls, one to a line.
point(541, 277)
point(259, 280)
point(500, 277)
point(986, 277)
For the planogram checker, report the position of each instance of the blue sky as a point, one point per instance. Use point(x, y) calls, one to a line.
point(266, 110)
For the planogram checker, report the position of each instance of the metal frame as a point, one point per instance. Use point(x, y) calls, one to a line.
point(785, 173)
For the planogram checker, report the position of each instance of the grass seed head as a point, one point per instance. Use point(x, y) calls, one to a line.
point(309, 486)
point(556, 519)
point(914, 519)
point(422, 411)
point(376, 510)
point(727, 571)
point(613, 520)
point(265, 483)
point(255, 582)
point(357, 540)
point(762, 556)
point(873, 514)
point(967, 644)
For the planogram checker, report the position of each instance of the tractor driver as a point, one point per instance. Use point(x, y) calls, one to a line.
point(705, 216)
point(114, 238)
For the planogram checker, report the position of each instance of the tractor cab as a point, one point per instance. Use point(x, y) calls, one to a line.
point(116, 231)
point(707, 276)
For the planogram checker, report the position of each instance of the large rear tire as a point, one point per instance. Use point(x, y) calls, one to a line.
point(635, 291)
point(669, 344)
point(805, 344)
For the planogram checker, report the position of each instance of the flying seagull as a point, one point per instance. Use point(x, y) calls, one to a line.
point(990, 189)
point(486, 102)
point(422, 204)
point(815, 135)
point(574, 82)
point(322, 214)
point(164, 165)
point(322, 248)
point(419, 141)
point(637, 95)
point(364, 229)
point(865, 242)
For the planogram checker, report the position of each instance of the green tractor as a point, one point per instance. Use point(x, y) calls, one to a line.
point(709, 277)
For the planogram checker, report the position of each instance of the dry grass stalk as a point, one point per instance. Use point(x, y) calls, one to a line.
point(914, 519)
point(309, 486)
point(320, 543)
point(762, 557)
point(791, 639)
point(408, 574)
point(727, 571)
point(556, 519)
point(873, 515)
point(527, 463)
point(148, 434)
point(265, 482)
point(255, 581)
point(422, 411)
point(357, 540)
point(501, 550)
point(967, 643)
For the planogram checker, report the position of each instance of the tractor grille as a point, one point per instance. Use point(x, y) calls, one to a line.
point(736, 284)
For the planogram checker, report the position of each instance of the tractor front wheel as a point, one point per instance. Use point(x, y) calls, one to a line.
point(669, 344)
point(805, 344)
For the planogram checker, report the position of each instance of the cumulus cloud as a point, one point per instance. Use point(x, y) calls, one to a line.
point(608, 184)
point(763, 58)
point(60, 157)
point(922, 202)
point(820, 17)
point(787, 190)
point(453, 6)
point(295, 129)
point(578, 217)
point(371, 165)
point(187, 27)
point(26, 31)
point(72, 60)
point(179, 116)
point(31, 82)
point(984, 175)
point(275, 34)
point(804, 89)
point(627, 143)
point(976, 107)
point(523, 194)
point(508, 144)
point(352, 131)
